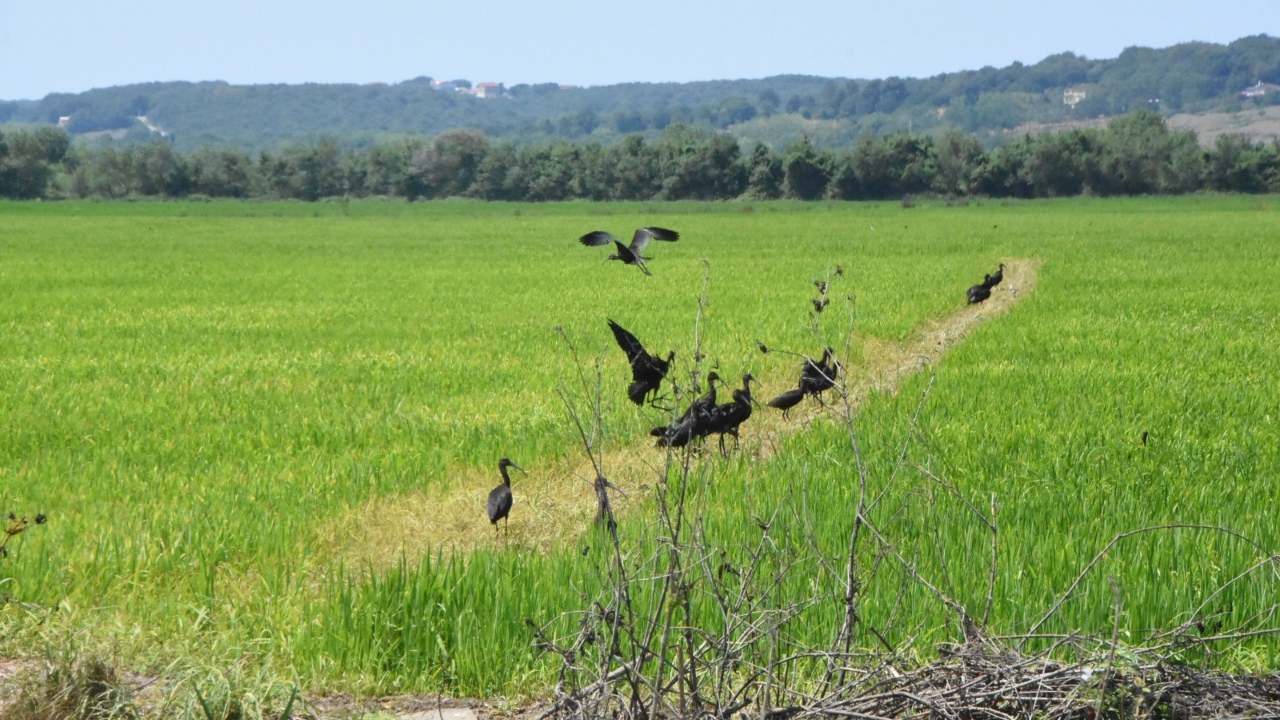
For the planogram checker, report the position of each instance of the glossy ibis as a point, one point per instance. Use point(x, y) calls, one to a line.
point(631, 255)
point(815, 379)
point(729, 416)
point(787, 400)
point(978, 293)
point(499, 505)
point(694, 423)
point(647, 371)
point(994, 280)
point(819, 377)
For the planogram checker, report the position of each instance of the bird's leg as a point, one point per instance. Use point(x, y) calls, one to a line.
point(723, 452)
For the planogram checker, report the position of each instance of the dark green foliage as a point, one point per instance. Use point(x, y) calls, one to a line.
point(764, 181)
point(28, 160)
point(1135, 154)
point(806, 171)
point(1186, 77)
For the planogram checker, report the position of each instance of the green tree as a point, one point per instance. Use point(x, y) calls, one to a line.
point(223, 173)
point(805, 171)
point(158, 170)
point(30, 161)
point(957, 157)
point(764, 179)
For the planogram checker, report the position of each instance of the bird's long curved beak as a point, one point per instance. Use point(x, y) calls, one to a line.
point(519, 468)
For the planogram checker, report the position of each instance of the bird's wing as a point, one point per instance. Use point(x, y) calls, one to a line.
point(642, 237)
point(628, 342)
point(595, 238)
point(662, 233)
point(499, 502)
point(624, 252)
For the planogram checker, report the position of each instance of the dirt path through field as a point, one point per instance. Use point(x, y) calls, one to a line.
point(553, 503)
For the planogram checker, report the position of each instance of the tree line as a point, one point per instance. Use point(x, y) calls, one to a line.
point(1134, 154)
point(1189, 77)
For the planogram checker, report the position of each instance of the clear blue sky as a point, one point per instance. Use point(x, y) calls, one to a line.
point(73, 45)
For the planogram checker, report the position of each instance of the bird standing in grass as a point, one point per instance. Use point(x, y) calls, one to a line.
point(819, 377)
point(994, 280)
point(694, 423)
point(815, 379)
point(978, 293)
point(728, 417)
point(631, 255)
point(647, 371)
point(499, 506)
point(787, 400)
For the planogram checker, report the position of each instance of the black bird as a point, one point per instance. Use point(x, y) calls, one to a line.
point(500, 497)
point(815, 379)
point(729, 416)
point(639, 241)
point(819, 377)
point(994, 280)
point(978, 293)
point(694, 423)
point(820, 304)
point(647, 371)
point(787, 400)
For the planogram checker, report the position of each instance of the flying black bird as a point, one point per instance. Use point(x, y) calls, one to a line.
point(694, 423)
point(994, 280)
point(821, 285)
point(499, 505)
point(647, 371)
point(978, 293)
point(631, 255)
point(820, 304)
point(728, 417)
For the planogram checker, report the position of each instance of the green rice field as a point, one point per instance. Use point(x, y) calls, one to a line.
point(202, 397)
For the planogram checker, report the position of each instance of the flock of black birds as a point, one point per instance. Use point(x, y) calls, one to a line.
point(982, 291)
point(704, 416)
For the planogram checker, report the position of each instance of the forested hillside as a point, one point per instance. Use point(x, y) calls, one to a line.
point(834, 111)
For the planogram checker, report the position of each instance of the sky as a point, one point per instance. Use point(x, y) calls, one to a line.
point(75, 45)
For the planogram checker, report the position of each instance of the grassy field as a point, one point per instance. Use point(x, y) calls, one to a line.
point(205, 397)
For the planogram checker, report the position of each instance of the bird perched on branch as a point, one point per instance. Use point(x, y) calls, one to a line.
point(631, 255)
point(499, 505)
point(647, 371)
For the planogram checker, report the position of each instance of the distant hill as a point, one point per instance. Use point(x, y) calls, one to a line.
point(1063, 88)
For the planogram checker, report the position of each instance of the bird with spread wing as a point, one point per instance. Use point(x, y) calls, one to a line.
point(630, 254)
